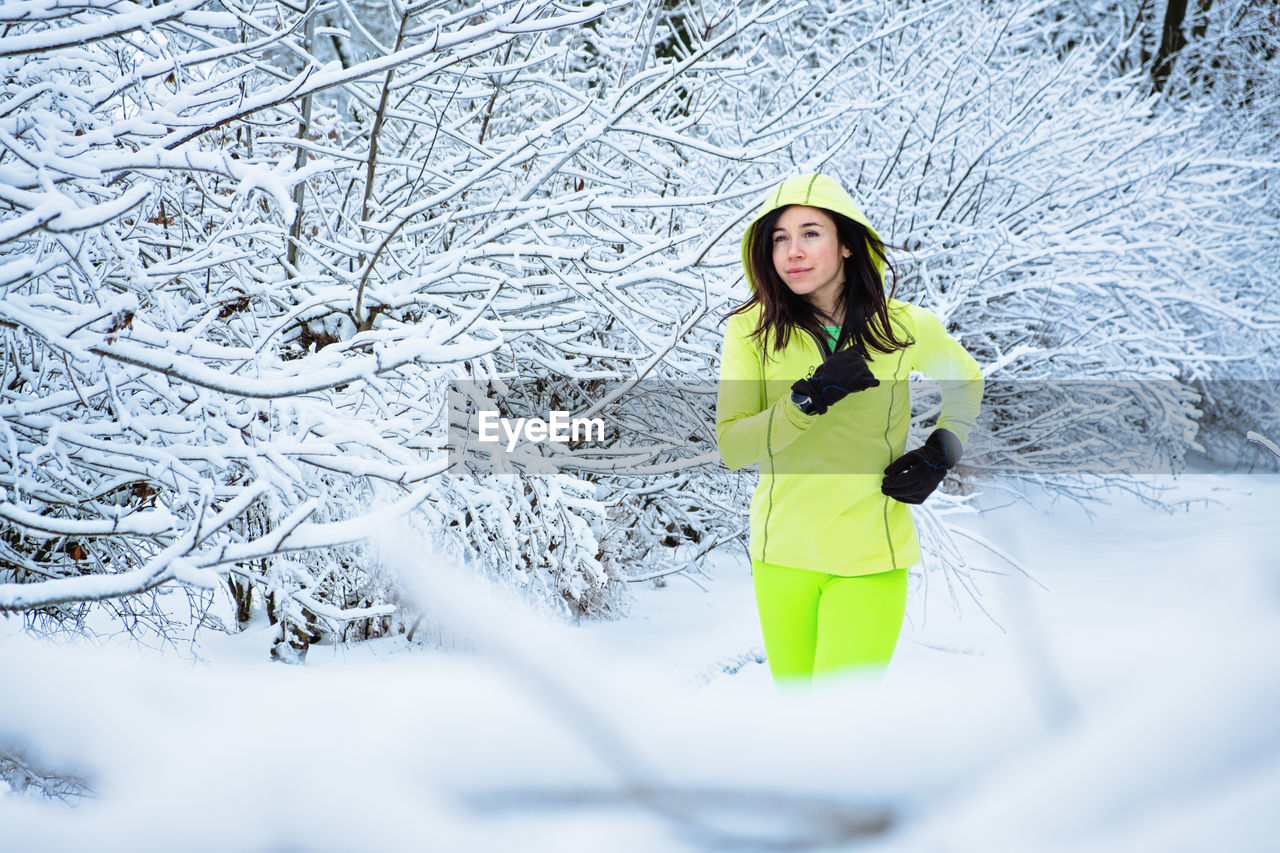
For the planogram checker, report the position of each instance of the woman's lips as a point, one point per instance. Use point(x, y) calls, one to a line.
point(797, 270)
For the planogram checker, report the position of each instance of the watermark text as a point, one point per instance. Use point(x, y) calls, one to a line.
point(559, 428)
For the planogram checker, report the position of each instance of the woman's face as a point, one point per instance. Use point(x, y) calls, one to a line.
point(808, 256)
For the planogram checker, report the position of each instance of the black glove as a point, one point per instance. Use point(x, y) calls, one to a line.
point(913, 476)
point(838, 376)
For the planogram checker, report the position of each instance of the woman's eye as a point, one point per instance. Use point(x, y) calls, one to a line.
point(811, 233)
point(780, 238)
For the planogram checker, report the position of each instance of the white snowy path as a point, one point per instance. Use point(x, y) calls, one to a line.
point(1128, 705)
point(1119, 566)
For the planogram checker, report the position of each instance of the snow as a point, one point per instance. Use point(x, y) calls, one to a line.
point(1126, 703)
point(16, 45)
point(187, 401)
point(287, 385)
point(145, 522)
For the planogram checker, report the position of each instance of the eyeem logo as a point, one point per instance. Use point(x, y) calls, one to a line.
point(559, 428)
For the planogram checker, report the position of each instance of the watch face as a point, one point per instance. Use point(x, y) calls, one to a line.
point(803, 402)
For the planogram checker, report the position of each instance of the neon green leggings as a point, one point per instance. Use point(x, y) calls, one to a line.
point(815, 623)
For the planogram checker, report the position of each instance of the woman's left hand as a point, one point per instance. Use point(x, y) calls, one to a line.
point(913, 476)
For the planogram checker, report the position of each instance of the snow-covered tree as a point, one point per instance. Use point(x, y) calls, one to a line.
point(247, 251)
point(241, 279)
point(210, 375)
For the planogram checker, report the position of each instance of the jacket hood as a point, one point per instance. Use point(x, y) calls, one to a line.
point(813, 191)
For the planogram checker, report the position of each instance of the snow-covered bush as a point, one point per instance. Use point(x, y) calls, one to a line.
point(247, 249)
point(239, 280)
point(1064, 221)
point(214, 371)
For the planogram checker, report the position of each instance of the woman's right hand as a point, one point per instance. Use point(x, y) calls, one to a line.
point(840, 375)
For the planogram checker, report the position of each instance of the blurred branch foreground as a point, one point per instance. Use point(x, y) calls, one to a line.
point(539, 741)
point(246, 248)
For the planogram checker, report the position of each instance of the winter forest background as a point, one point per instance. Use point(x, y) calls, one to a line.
point(247, 247)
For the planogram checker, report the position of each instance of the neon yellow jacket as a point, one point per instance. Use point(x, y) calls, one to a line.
point(818, 504)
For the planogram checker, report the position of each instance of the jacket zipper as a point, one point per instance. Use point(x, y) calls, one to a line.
point(822, 345)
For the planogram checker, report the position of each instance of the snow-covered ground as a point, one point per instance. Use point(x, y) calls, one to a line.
point(1123, 700)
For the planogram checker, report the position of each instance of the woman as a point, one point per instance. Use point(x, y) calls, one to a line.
point(812, 387)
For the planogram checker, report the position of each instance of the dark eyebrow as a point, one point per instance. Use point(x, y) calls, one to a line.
point(803, 225)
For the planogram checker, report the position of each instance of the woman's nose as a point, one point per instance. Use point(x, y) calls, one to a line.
point(793, 251)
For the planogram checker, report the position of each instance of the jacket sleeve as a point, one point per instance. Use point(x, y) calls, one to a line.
point(747, 429)
point(940, 356)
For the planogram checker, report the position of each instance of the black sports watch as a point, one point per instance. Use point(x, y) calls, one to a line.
point(803, 402)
